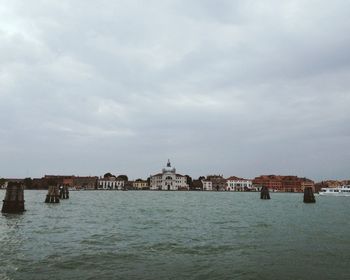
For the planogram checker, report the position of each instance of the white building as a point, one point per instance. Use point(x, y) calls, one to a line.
point(168, 180)
point(207, 185)
point(238, 184)
point(110, 183)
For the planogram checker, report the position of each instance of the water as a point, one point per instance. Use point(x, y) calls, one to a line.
point(176, 235)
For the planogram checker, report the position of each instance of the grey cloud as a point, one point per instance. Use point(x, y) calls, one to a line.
point(234, 87)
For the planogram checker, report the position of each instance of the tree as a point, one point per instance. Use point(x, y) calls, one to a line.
point(197, 185)
point(123, 178)
point(189, 181)
point(108, 174)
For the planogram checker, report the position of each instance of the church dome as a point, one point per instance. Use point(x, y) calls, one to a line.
point(168, 168)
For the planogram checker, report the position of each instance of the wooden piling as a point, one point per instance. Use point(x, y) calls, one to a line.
point(53, 195)
point(264, 193)
point(309, 196)
point(64, 192)
point(14, 198)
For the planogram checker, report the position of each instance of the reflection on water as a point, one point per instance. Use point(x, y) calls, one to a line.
point(176, 235)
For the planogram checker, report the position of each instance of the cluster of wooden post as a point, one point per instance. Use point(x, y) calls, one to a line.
point(309, 196)
point(53, 195)
point(14, 198)
point(64, 192)
point(264, 193)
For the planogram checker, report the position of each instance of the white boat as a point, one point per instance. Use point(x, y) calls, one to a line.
point(338, 191)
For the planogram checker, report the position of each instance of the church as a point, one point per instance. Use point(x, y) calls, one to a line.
point(168, 180)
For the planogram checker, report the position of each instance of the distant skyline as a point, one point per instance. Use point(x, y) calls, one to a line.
point(228, 87)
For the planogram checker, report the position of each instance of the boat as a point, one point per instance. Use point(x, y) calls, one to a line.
point(338, 191)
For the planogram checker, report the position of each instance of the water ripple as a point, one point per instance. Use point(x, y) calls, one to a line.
point(183, 235)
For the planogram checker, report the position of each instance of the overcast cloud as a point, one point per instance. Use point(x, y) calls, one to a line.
point(232, 87)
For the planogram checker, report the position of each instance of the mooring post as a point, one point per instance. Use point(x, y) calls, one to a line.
point(309, 196)
point(264, 193)
point(64, 192)
point(53, 195)
point(14, 198)
point(61, 192)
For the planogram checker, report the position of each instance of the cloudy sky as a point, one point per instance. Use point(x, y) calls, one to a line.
point(218, 86)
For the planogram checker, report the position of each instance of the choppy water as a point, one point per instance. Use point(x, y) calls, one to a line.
point(176, 235)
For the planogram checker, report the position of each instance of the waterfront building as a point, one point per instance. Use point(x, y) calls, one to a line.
point(168, 180)
point(67, 180)
point(296, 184)
point(218, 182)
point(207, 185)
point(78, 182)
point(272, 182)
point(283, 183)
point(140, 184)
point(110, 183)
point(236, 184)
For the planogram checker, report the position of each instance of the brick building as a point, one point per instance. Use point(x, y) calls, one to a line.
point(283, 183)
point(78, 182)
point(218, 182)
point(272, 182)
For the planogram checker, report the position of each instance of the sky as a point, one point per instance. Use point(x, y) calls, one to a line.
point(225, 87)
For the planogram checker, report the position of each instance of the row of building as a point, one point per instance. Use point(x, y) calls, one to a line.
point(169, 180)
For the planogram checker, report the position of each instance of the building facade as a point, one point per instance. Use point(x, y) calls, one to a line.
point(110, 183)
point(168, 180)
point(218, 182)
point(283, 183)
point(207, 185)
point(272, 182)
point(236, 184)
point(296, 184)
point(140, 184)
